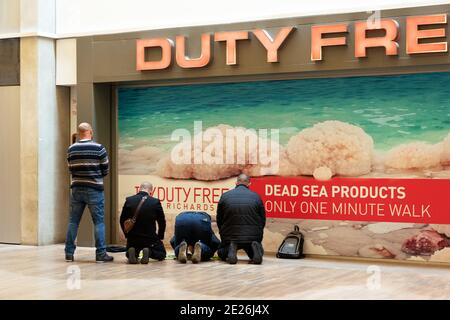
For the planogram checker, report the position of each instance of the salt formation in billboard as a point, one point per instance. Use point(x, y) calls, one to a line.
point(223, 154)
point(414, 155)
point(445, 157)
point(333, 146)
point(328, 148)
point(344, 148)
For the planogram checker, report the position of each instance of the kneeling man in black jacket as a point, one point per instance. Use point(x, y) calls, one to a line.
point(143, 236)
point(241, 219)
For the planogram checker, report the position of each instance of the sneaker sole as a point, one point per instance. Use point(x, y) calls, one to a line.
point(232, 260)
point(102, 261)
point(145, 256)
point(182, 256)
point(197, 256)
point(131, 256)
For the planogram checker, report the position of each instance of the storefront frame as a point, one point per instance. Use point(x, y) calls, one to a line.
point(97, 91)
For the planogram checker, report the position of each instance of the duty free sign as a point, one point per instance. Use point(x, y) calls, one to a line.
point(424, 34)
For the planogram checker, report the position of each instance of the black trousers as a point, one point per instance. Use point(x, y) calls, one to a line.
point(247, 247)
point(156, 248)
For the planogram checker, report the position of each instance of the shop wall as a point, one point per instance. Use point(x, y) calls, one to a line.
point(371, 133)
point(94, 105)
point(53, 173)
point(111, 59)
point(10, 222)
point(100, 53)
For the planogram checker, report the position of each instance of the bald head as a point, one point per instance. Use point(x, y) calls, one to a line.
point(84, 131)
point(146, 187)
point(243, 179)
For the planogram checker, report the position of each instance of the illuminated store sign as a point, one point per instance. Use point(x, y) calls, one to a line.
point(421, 37)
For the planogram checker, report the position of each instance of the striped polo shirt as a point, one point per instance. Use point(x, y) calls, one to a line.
point(88, 164)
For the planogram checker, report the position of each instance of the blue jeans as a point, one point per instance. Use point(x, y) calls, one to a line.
point(192, 227)
point(95, 200)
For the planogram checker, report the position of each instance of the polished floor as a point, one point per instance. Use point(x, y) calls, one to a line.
point(41, 273)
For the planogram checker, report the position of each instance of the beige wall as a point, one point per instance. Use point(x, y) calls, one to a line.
point(10, 165)
point(66, 62)
point(44, 127)
point(28, 140)
point(34, 127)
point(34, 136)
point(9, 16)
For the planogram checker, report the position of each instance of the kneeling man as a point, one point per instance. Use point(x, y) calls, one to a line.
point(194, 237)
point(241, 218)
point(146, 211)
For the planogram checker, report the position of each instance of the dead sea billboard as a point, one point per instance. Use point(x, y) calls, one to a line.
point(361, 164)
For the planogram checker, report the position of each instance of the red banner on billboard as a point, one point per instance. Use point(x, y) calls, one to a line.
point(356, 199)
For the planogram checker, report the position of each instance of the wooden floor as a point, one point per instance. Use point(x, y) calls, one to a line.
point(41, 273)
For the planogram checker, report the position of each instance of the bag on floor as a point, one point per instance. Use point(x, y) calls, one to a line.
point(292, 245)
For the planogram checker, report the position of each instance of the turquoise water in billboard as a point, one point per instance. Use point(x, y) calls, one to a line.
point(392, 109)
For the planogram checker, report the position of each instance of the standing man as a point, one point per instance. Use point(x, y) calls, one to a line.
point(241, 218)
point(146, 211)
point(88, 165)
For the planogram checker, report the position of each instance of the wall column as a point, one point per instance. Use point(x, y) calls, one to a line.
point(44, 135)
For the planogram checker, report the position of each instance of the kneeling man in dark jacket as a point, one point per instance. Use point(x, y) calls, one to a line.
point(241, 219)
point(143, 236)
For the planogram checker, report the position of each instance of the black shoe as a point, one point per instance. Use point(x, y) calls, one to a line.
point(145, 255)
point(104, 258)
point(257, 252)
point(232, 253)
point(182, 252)
point(197, 255)
point(69, 258)
point(131, 254)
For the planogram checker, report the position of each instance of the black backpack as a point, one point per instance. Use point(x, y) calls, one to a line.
point(292, 245)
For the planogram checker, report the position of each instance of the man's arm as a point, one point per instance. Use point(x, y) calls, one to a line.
point(215, 242)
point(104, 161)
point(219, 215)
point(68, 161)
point(161, 219)
point(126, 214)
point(262, 212)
